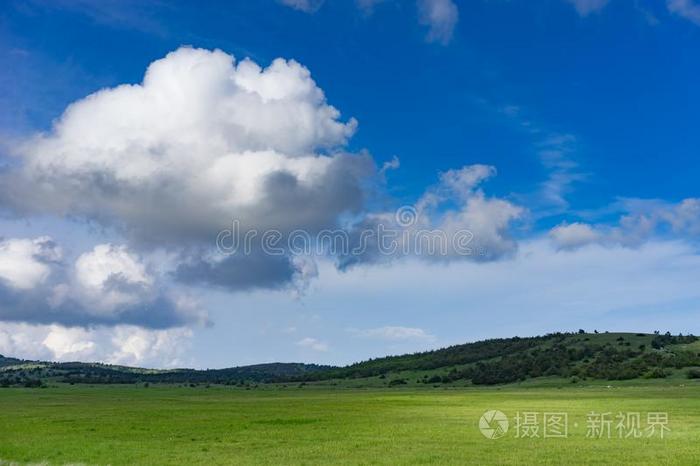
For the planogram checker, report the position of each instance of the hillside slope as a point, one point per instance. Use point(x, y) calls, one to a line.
point(578, 356)
point(33, 373)
point(601, 356)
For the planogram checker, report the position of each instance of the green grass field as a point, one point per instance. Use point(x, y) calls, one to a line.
point(220, 425)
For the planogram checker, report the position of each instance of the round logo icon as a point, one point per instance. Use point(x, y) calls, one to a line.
point(406, 216)
point(493, 424)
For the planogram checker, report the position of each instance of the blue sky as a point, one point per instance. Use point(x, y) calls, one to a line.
point(587, 111)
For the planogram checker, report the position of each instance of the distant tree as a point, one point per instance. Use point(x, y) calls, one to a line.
point(33, 383)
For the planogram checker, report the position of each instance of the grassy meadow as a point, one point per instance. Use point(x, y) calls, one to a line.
point(127, 425)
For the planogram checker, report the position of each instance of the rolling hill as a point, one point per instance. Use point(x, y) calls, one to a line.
point(574, 356)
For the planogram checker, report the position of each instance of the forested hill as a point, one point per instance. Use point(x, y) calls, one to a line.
point(611, 356)
point(33, 373)
point(575, 356)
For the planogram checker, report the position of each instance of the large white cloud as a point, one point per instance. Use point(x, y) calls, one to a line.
point(169, 163)
point(202, 141)
point(108, 285)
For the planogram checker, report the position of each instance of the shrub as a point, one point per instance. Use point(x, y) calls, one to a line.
point(656, 373)
point(396, 382)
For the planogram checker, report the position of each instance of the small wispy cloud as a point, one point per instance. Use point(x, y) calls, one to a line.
point(688, 9)
point(307, 6)
point(123, 14)
point(313, 344)
point(441, 17)
point(557, 154)
point(395, 333)
point(587, 7)
point(367, 6)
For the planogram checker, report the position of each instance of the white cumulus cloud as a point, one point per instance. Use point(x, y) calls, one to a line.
point(453, 220)
point(122, 344)
point(574, 235)
point(202, 141)
point(108, 285)
point(110, 276)
point(26, 263)
point(642, 220)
